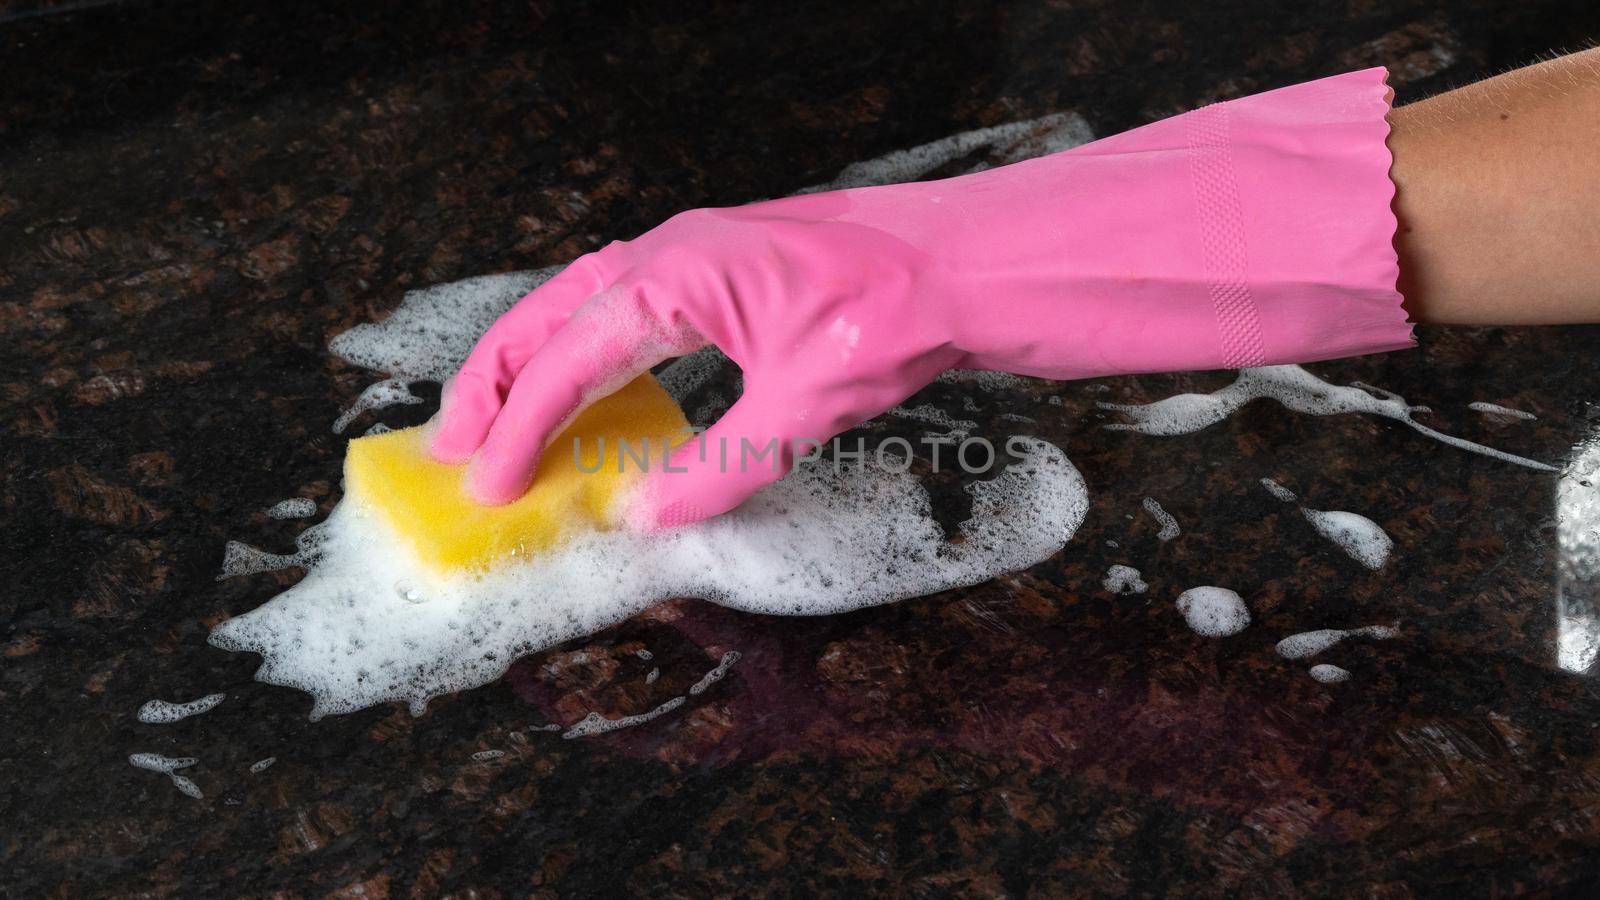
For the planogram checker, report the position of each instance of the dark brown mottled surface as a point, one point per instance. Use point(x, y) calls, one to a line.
point(195, 196)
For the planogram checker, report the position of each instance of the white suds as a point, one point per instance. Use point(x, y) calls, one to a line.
point(715, 675)
point(1169, 525)
point(160, 712)
point(1124, 580)
point(684, 375)
point(981, 378)
point(1277, 490)
point(293, 508)
point(1328, 674)
point(416, 343)
point(1356, 535)
point(377, 428)
point(1003, 144)
point(261, 765)
point(594, 723)
point(243, 559)
point(1295, 388)
point(819, 541)
point(645, 655)
point(932, 415)
point(1310, 643)
point(1214, 611)
point(1495, 409)
point(382, 395)
point(155, 762)
point(486, 755)
point(651, 677)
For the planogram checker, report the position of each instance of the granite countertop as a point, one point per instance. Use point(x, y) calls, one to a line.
point(194, 197)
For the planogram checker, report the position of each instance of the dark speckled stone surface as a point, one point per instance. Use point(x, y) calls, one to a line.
point(194, 197)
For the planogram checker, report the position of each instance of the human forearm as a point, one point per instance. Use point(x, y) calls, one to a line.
point(1498, 198)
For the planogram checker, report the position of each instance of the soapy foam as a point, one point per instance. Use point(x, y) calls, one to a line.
point(1214, 611)
point(293, 508)
point(1124, 580)
point(1300, 391)
point(594, 723)
point(155, 762)
point(1004, 144)
point(1358, 536)
point(354, 632)
point(1495, 409)
point(486, 755)
point(1310, 643)
point(1329, 674)
point(928, 414)
point(1169, 525)
point(1277, 490)
point(160, 712)
point(261, 765)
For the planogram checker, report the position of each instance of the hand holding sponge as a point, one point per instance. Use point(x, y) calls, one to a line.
point(425, 502)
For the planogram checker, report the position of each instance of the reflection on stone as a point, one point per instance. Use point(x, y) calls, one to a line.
point(1578, 568)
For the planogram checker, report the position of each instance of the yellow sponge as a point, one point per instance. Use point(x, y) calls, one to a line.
point(393, 476)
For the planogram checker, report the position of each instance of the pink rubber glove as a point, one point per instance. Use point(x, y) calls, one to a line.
point(1246, 233)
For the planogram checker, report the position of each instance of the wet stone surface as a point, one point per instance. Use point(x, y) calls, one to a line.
point(197, 197)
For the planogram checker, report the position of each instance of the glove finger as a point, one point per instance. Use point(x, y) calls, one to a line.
point(474, 396)
point(606, 343)
point(754, 444)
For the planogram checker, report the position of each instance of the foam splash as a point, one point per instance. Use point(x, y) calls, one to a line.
point(928, 414)
point(1124, 580)
point(1362, 539)
point(1001, 144)
point(242, 559)
point(160, 712)
point(1214, 611)
point(1300, 391)
point(1169, 525)
point(1495, 409)
point(1277, 490)
point(261, 765)
point(1310, 643)
point(594, 723)
point(1329, 674)
point(293, 508)
point(822, 540)
point(169, 766)
point(1358, 536)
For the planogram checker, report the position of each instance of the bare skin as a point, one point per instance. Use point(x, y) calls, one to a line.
point(1498, 198)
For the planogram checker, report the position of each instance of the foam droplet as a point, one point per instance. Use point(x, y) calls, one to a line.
point(1357, 535)
point(1495, 409)
point(293, 508)
point(1169, 525)
point(1214, 611)
point(1124, 580)
point(1310, 643)
point(160, 712)
point(1328, 674)
point(1277, 490)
